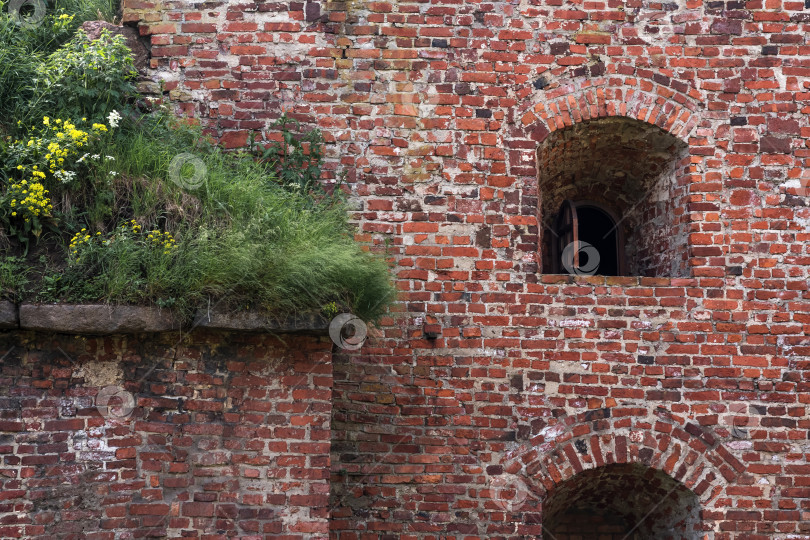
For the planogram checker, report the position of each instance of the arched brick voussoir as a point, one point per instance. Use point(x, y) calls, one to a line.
point(588, 99)
point(688, 453)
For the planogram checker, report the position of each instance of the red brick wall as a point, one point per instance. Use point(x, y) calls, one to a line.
point(471, 433)
point(437, 112)
point(226, 436)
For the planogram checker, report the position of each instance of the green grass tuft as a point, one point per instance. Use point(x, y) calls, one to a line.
point(243, 240)
point(254, 233)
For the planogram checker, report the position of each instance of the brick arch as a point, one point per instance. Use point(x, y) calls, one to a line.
point(688, 453)
point(660, 101)
point(645, 98)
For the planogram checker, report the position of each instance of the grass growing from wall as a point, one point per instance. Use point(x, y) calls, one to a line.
point(240, 238)
point(116, 204)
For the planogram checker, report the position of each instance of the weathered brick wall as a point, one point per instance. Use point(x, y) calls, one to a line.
point(226, 436)
point(471, 434)
point(460, 126)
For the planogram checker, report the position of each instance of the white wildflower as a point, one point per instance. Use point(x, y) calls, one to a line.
point(65, 176)
point(109, 158)
point(113, 119)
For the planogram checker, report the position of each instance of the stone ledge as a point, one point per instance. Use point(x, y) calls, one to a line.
point(621, 281)
point(255, 322)
point(94, 319)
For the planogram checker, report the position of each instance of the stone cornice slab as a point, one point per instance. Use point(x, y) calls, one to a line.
point(103, 319)
point(249, 321)
point(95, 319)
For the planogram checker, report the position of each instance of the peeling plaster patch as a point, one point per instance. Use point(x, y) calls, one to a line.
point(575, 323)
point(551, 433)
point(739, 445)
point(804, 222)
point(792, 183)
point(92, 445)
point(102, 374)
point(492, 353)
point(515, 452)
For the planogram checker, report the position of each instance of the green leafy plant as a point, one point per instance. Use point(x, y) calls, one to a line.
point(25, 48)
point(295, 158)
point(330, 310)
point(166, 302)
point(22, 50)
point(87, 78)
point(51, 288)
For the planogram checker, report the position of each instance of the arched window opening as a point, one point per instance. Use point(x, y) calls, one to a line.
point(622, 176)
point(588, 240)
point(622, 502)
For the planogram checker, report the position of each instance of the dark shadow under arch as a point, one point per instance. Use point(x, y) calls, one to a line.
point(637, 171)
point(621, 502)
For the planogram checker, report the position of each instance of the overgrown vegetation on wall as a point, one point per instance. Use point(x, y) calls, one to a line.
point(104, 200)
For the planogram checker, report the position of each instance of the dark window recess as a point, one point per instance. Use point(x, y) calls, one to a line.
point(588, 240)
